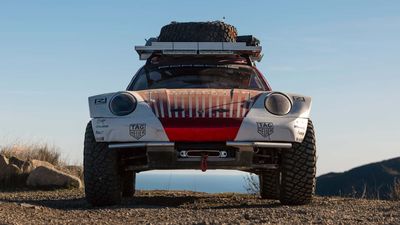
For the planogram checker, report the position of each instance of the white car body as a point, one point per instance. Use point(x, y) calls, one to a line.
point(108, 127)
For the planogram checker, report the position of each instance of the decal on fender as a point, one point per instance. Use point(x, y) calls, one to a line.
point(101, 123)
point(265, 129)
point(98, 101)
point(137, 130)
point(299, 99)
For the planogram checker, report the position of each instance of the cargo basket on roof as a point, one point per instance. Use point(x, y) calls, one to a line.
point(199, 48)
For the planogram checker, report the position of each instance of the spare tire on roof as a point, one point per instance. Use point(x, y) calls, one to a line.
point(215, 31)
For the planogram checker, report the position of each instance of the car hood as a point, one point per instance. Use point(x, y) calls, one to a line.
point(200, 114)
point(200, 103)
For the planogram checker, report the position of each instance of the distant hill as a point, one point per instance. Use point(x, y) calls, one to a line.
point(371, 181)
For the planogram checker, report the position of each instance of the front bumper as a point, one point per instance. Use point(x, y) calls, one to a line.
point(237, 155)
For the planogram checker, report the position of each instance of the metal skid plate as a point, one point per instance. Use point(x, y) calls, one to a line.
point(199, 48)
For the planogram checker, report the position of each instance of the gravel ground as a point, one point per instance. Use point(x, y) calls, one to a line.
point(167, 207)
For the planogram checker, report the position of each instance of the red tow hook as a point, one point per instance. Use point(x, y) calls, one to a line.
point(203, 164)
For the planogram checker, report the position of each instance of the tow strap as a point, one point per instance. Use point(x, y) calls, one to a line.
point(203, 164)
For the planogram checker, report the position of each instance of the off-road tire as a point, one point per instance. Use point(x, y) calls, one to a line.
point(298, 171)
point(102, 176)
point(128, 184)
point(215, 31)
point(269, 184)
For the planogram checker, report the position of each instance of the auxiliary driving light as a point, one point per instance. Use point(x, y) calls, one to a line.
point(122, 104)
point(278, 104)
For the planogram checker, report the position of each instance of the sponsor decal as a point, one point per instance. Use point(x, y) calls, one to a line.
point(298, 99)
point(99, 101)
point(99, 138)
point(265, 129)
point(101, 123)
point(299, 127)
point(137, 130)
point(301, 133)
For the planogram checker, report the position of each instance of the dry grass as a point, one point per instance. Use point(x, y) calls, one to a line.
point(42, 152)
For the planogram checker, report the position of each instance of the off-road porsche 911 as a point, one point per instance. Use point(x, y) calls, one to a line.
point(200, 102)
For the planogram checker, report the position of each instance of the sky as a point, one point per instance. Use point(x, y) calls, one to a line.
point(343, 53)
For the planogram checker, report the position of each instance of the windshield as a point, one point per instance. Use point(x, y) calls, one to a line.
point(201, 76)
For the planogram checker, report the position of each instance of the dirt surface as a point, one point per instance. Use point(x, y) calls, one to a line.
point(162, 207)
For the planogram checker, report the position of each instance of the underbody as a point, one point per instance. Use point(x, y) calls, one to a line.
point(245, 156)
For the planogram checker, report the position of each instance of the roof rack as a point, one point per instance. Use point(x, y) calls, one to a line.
point(199, 48)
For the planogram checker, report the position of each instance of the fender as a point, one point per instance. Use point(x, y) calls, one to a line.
point(261, 125)
point(140, 125)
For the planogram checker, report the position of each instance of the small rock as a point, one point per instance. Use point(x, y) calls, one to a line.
point(3, 161)
point(73, 170)
point(50, 177)
point(3, 166)
point(26, 205)
point(31, 164)
point(16, 161)
point(11, 170)
point(7, 170)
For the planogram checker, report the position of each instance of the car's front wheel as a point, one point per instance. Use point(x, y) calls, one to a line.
point(298, 171)
point(103, 181)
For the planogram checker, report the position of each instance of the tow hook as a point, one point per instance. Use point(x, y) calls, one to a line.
point(203, 164)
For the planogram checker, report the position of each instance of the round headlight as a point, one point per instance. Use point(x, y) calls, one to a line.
point(278, 104)
point(122, 104)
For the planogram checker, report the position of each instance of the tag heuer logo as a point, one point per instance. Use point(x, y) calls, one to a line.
point(137, 130)
point(265, 128)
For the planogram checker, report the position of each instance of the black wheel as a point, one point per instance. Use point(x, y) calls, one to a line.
point(269, 184)
point(101, 173)
point(298, 171)
point(128, 183)
point(215, 31)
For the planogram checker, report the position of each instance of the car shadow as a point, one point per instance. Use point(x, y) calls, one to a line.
point(144, 202)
